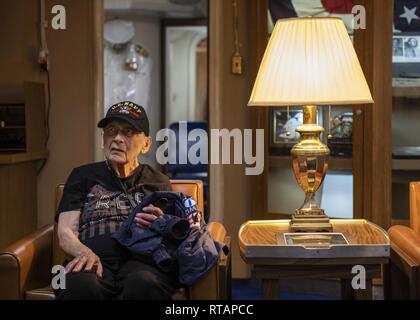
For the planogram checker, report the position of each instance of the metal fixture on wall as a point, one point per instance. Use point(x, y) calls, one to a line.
point(236, 58)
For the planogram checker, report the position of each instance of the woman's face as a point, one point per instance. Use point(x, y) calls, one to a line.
point(122, 143)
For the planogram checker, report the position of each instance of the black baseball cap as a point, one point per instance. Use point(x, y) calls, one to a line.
point(130, 112)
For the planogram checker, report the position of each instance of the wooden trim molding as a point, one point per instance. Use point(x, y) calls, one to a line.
point(98, 74)
point(215, 36)
point(259, 115)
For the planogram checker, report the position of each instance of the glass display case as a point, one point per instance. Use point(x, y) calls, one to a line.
point(406, 106)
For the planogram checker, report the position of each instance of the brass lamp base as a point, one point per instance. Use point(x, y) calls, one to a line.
point(310, 164)
point(310, 223)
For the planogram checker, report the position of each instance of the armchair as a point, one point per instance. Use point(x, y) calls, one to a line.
point(405, 252)
point(25, 266)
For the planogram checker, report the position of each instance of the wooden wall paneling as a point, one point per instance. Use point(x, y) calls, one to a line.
point(216, 67)
point(230, 188)
point(358, 143)
point(372, 160)
point(75, 73)
point(4, 174)
point(358, 131)
point(27, 189)
point(259, 115)
point(18, 172)
point(18, 201)
point(97, 75)
point(35, 116)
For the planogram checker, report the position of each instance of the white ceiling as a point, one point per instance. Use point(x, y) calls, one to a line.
point(160, 8)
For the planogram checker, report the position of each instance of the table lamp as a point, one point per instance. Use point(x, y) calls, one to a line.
point(308, 62)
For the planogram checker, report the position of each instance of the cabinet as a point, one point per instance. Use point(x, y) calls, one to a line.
point(406, 149)
point(12, 128)
point(405, 108)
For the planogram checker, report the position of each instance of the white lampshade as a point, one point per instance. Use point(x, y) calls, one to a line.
point(310, 61)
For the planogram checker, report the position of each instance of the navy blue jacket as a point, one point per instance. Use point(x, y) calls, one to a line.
point(170, 241)
point(197, 254)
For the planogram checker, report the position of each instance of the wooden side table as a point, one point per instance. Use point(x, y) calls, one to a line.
point(263, 245)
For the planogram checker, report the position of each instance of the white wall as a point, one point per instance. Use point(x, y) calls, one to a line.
point(181, 72)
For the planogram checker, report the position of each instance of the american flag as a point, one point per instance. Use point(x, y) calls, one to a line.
point(280, 9)
point(406, 12)
point(406, 16)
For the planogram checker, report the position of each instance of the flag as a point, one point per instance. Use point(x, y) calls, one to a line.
point(406, 16)
point(281, 9)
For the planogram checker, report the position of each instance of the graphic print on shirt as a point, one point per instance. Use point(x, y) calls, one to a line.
point(104, 211)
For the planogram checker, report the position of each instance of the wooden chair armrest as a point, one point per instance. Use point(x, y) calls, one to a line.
point(405, 257)
point(406, 242)
point(26, 264)
point(217, 231)
point(400, 259)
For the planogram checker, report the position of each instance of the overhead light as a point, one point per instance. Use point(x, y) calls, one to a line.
point(118, 31)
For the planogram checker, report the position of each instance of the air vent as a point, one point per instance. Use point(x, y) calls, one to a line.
point(185, 2)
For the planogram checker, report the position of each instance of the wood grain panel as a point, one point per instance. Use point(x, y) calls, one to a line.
point(372, 159)
point(259, 115)
point(18, 201)
point(270, 289)
point(231, 190)
point(35, 116)
point(356, 231)
point(9, 158)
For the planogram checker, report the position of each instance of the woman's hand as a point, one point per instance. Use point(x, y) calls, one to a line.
point(148, 216)
point(86, 261)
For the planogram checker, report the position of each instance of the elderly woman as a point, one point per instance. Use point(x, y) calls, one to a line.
point(94, 204)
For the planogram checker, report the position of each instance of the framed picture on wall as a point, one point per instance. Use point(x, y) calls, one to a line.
point(341, 141)
point(281, 124)
point(406, 48)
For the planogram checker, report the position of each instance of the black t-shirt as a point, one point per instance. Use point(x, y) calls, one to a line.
point(95, 191)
